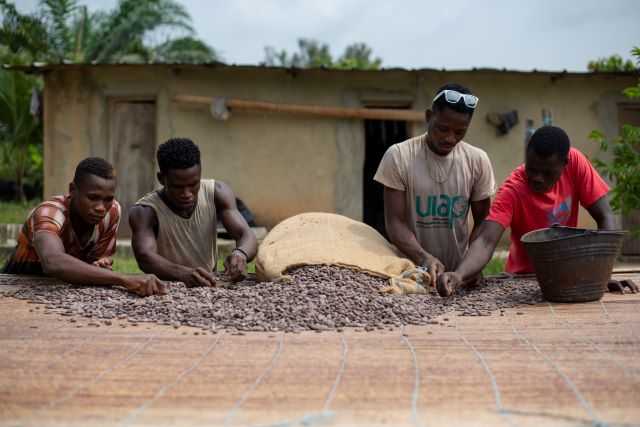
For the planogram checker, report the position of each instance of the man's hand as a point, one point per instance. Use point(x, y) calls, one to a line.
point(198, 277)
point(235, 265)
point(145, 285)
point(105, 262)
point(434, 266)
point(448, 283)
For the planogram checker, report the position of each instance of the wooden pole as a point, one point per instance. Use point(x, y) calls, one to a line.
point(307, 110)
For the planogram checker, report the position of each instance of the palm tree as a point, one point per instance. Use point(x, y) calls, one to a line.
point(185, 50)
point(64, 31)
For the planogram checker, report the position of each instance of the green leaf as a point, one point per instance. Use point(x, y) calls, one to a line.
point(632, 92)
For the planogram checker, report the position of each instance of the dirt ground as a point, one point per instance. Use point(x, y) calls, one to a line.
point(548, 364)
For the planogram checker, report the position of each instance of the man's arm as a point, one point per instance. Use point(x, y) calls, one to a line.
point(59, 264)
point(479, 211)
point(234, 222)
point(601, 212)
point(402, 237)
point(143, 220)
point(478, 255)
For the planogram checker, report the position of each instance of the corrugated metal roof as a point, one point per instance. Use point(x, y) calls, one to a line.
point(37, 67)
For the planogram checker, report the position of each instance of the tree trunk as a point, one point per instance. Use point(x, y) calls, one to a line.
point(20, 161)
point(20, 188)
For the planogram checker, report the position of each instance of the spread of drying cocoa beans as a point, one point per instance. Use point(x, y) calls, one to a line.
point(316, 298)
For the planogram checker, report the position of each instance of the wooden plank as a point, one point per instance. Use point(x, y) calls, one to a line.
point(307, 110)
point(132, 146)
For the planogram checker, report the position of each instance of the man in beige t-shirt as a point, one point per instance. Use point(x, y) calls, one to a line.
point(432, 180)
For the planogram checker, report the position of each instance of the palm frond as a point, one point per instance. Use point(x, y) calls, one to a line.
point(58, 13)
point(80, 29)
point(132, 20)
point(22, 33)
point(186, 50)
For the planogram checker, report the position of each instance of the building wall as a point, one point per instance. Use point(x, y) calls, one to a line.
point(281, 165)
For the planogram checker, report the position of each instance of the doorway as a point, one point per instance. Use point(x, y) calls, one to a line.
point(379, 136)
point(132, 129)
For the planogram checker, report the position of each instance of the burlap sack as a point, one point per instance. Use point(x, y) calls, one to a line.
point(324, 238)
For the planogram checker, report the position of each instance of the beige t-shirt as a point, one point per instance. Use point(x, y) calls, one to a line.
point(438, 192)
point(187, 241)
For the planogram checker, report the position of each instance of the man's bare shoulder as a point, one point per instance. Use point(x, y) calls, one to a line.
point(223, 194)
point(142, 216)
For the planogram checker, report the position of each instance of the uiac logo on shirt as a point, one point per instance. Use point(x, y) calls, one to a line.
point(560, 213)
point(442, 209)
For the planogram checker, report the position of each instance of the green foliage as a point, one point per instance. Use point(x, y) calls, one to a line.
point(21, 35)
point(495, 266)
point(312, 54)
point(624, 167)
point(117, 31)
point(57, 15)
point(64, 31)
point(614, 63)
point(127, 264)
point(20, 131)
point(358, 56)
point(185, 50)
point(16, 212)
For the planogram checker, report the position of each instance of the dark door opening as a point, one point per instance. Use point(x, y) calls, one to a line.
point(379, 136)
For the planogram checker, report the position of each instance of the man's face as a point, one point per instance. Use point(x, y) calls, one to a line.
point(181, 187)
point(542, 173)
point(92, 197)
point(445, 129)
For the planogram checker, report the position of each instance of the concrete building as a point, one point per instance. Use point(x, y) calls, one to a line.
point(282, 164)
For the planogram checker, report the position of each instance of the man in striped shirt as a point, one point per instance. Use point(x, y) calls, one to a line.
point(72, 237)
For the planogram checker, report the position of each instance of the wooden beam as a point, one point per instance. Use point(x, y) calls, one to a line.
point(307, 110)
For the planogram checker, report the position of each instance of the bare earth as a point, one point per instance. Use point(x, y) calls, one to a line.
point(547, 364)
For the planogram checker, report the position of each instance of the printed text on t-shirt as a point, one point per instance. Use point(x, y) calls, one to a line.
point(440, 211)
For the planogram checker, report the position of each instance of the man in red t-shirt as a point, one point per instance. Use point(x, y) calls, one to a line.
point(546, 190)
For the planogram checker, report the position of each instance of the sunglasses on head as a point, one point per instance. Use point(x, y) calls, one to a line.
point(453, 97)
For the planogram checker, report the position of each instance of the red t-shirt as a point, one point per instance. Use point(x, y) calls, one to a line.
point(518, 207)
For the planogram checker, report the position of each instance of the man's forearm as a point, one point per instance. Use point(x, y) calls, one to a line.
point(607, 223)
point(474, 261)
point(162, 267)
point(407, 243)
point(75, 271)
point(248, 244)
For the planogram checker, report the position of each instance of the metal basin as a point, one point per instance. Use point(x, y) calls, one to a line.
point(572, 264)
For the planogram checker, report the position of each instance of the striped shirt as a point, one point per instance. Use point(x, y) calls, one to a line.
point(52, 216)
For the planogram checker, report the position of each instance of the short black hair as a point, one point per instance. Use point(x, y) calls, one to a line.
point(178, 153)
point(93, 166)
point(550, 140)
point(440, 103)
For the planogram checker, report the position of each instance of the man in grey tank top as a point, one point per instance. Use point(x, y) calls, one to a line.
point(174, 228)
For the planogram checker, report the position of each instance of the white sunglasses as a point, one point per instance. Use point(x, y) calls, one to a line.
point(453, 97)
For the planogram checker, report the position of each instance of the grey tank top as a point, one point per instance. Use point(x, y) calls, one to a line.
point(187, 241)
